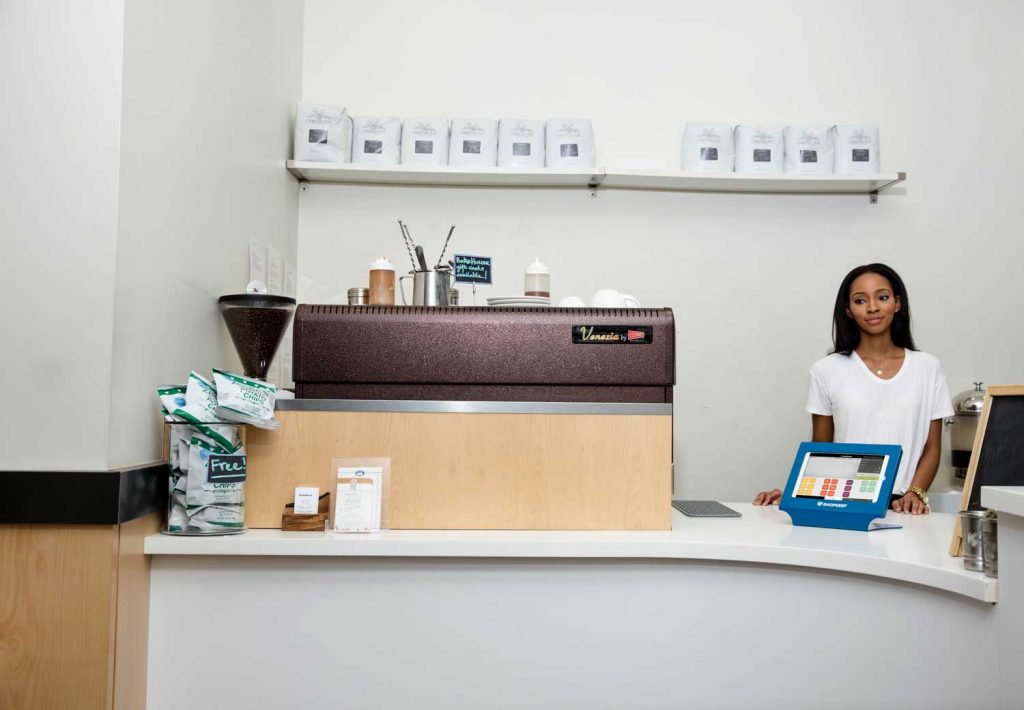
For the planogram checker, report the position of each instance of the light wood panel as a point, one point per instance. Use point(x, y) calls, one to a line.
point(132, 616)
point(57, 593)
point(477, 471)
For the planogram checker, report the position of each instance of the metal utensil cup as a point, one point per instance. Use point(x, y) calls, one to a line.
point(970, 524)
point(990, 545)
point(429, 288)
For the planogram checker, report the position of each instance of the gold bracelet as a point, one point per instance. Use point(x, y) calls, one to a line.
point(920, 493)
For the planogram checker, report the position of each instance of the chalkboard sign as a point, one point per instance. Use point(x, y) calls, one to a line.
point(998, 455)
point(472, 269)
point(226, 468)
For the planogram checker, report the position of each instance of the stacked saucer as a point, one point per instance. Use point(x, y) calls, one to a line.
point(519, 301)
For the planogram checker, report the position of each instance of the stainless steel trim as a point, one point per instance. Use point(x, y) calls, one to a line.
point(431, 406)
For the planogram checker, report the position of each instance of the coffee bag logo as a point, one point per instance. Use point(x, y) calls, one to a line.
point(319, 117)
point(424, 129)
point(521, 131)
point(472, 129)
point(808, 138)
point(762, 138)
point(373, 127)
point(709, 136)
point(859, 137)
point(568, 131)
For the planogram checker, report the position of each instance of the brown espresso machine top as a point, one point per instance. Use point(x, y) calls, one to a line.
point(484, 354)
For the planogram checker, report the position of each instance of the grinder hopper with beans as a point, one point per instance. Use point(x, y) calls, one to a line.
point(257, 323)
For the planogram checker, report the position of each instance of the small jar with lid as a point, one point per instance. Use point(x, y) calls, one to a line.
point(359, 296)
point(537, 281)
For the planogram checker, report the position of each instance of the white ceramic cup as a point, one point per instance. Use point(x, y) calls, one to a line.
point(572, 302)
point(610, 298)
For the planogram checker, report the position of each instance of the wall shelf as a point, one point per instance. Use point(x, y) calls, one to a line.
point(669, 180)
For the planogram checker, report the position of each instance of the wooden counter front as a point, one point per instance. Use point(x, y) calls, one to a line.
point(477, 470)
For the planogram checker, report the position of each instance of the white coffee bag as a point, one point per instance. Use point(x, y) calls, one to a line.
point(425, 141)
point(708, 147)
point(474, 142)
point(375, 139)
point(759, 149)
point(857, 149)
point(809, 150)
point(323, 134)
point(570, 143)
point(520, 143)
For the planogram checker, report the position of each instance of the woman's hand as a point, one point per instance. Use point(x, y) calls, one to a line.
point(771, 497)
point(910, 503)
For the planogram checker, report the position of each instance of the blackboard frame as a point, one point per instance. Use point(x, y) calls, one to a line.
point(956, 544)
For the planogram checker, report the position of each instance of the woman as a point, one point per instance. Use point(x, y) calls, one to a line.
point(876, 387)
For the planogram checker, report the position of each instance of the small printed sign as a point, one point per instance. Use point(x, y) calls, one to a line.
point(613, 334)
point(472, 269)
point(226, 468)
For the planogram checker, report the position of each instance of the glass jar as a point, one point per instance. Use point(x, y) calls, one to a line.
point(206, 479)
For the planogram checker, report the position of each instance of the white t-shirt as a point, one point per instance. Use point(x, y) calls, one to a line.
point(869, 410)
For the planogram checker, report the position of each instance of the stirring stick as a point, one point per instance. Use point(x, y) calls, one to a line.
point(444, 248)
point(407, 242)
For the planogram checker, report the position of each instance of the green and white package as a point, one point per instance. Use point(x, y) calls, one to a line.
point(199, 491)
point(171, 397)
point(216, 517)
point(243, 399)
point(201, 408)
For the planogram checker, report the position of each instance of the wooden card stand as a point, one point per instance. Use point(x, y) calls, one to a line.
point(317, 522)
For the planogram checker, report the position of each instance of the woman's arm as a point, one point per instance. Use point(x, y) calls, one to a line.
point(925, 473)
point(822, 429)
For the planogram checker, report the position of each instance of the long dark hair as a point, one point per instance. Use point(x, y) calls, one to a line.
point(846, 334)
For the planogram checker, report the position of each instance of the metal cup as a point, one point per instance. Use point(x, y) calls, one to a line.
point(970, 529)
point(429, 288)
point(989, 545)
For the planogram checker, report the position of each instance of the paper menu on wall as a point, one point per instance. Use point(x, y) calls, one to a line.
point(273, 271)
point(257, 260)
point(358, 499)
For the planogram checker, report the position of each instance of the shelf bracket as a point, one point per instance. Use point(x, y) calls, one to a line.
point(594, 183)
point(873, 197)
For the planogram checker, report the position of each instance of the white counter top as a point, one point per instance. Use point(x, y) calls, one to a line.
point(917, 553)
point(1005, 499)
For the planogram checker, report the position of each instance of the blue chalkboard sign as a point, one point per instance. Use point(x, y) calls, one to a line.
point(471, 269)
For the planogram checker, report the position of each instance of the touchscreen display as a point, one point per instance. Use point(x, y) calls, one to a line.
point(844, 477)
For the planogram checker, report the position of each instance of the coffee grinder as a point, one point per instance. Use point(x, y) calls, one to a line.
point(257, 323)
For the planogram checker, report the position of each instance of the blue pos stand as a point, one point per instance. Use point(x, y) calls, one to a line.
point(843, 486)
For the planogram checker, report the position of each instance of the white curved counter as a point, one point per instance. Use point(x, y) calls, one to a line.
point(917, 553)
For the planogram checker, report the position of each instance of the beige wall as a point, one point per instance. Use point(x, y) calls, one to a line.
point(751, 278)
point(60, 114)
point(143, 143)
point(209, 91)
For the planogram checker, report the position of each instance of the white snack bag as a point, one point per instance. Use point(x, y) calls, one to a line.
point(201, 408)
point(857, 149)
point(708, 147)
point(323, 134)
point(569, 143)
point(520, 143)
point(245, 400)
point(474, 141)
point(425, 141)
point(198, 489)
point(375, 139)
point(809, 150)
point(759, 149)
point(216, 517)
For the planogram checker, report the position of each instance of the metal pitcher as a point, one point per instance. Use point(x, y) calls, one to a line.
point(429, 288)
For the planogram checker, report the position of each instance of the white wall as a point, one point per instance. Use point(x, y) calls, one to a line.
point(209, 91)
point(751, 278)
point(60, 69)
